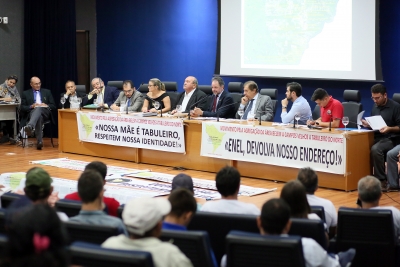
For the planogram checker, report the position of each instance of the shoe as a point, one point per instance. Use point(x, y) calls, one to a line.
point(390, 188)
point(346, 257)
point(4, 139)
point(28, 130)
point(39, 145)
point(384, 184)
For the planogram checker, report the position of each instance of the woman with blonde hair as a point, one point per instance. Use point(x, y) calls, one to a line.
point(156, 94)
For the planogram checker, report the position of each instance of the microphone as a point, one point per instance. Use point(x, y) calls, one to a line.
point(225, 107)
point(330, 120)
point(259, 118)
point(201, 99)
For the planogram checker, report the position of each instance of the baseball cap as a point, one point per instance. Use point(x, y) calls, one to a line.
point(38, 177)
point(182, 180)
point(142, 214)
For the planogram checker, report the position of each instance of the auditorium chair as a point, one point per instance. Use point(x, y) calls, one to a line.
point(174, 98)
point(144, 88)
point(316, 114)
point(396, 97)
point(352, 106)
point(205, 89)
point(218, 226)
point(194, 244)
point(70, 207)
point(118, 84)
point(81, 89)
point(8, 198)
point(314, 229)
point(320, 211)
point(92, 255)
point(235, 89)
point(370, 232)
point(89, 233)
point(249, 249)
point(273, 94)
point(3, 243)
point(171, 86)
point(2, 221)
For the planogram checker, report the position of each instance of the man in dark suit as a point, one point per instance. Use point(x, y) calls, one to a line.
point(191, 97)
point(70, 91)
point(36, 106)
point(107, 94)
point(222, 104)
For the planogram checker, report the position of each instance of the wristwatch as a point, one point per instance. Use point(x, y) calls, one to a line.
point(317, 123)
point(284, 107)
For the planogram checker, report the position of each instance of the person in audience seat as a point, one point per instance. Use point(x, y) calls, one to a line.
point(143, 220)
point(227, 182)
point(111, 203)
point(91, 190)
point(309, 178)
point(370, 193)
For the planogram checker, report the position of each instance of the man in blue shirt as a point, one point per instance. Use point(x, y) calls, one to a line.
point(300, 105)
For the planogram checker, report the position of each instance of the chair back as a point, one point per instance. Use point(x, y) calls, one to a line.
point(396, 97)
point(81, 89)
point(205, 89)
point(235, 87)
point(352, 106)
point(316, 114)
point(92, 255)
point(219, 225)
point(7, 198)
point(171, 86)
point(174, 97)
point(236, 99)
point(248, 249)
point(194, 244)
point(320, 211)
point(118, 84)
point(2, 221)
point(70, 207)
point(89, 233)
point(314, 229)
point(143, 88)
point(370, 232)
point(273, 94)
point(3, 243)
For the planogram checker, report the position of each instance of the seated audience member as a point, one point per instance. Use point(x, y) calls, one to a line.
point(129, 97)
point(222, 104)
point(143, 220)
point(36, 238)
point(156, 94)
point(300, 105)
point(106, 95)
point(227, 182)
point(37, 191)
point(9, 92)
point(70, 91)
point(309, 178)
point(111, 203)
point(91, 190)
point(191, 97)
point(182, 180)
point(369, 192)
point(331, 110)
point(254, 104)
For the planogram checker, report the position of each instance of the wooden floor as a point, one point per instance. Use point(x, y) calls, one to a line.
point(17, 159)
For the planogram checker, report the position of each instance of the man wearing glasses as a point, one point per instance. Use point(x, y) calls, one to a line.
point(105, 94)
point(129, 97)
point(36, 106)
point(386, 138)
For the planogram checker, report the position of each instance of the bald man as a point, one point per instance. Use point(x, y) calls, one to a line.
point(191, 97)
point(108, 94)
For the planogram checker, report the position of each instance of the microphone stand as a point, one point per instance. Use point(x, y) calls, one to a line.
point(127, 107)
point(330, 123)
point(195, 104)
point(223, 108)
point(294, 122)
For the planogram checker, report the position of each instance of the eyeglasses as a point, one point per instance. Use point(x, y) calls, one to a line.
point(39, 83)
point(150, 85)
point(376, 98)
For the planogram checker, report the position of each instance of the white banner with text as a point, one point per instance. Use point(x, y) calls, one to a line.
point(285, 147)
point(131, 131)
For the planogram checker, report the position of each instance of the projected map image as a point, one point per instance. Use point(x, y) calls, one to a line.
point(302, 34)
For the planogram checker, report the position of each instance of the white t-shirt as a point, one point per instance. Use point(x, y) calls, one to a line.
point(230, 206)
point(396, 217)
point(186, 99)
point(164, 254)
point(329, 208)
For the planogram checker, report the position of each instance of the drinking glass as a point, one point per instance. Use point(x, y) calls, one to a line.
point(345, 121)
point(122, 106)
point(241, 112)
point(297, 118)
point(178, 108)
point(62, 100)
point(250, 118)
point(79, 101)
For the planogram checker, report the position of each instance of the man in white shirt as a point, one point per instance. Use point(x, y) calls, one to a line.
point(370, 192)
point(228, 183)
point(143, 220)
point(309, 178)
point(191, 97)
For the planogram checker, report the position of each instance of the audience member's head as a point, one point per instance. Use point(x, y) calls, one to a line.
point(182, 180)
point(369, 190)
point(294, 194)
point(309, 178)
point(36, 238)
point(183, 206)
point(143, 216)
point(38, 185)
point(227, 181)
point(90, 186)
point(98, 166)
point(275, 217)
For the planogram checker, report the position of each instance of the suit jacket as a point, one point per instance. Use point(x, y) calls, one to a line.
point(264, 107)
point(136, 102)
point(197, 95)
point(28, 99)
point(110, 95)
point(225, 107)
point(67, 104)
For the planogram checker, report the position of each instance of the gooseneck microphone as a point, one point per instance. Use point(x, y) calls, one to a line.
point(201, 99)
point(225, 107)
point(330, 119)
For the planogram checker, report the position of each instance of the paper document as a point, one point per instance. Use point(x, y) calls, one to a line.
point(376, 122)
point(359, 118)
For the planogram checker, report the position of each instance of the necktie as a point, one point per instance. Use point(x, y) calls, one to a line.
point(249, 106)
point(127, 103)
point(38, 100)
point(214, 106)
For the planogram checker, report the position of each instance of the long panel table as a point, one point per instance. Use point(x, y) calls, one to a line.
point(357, 155)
